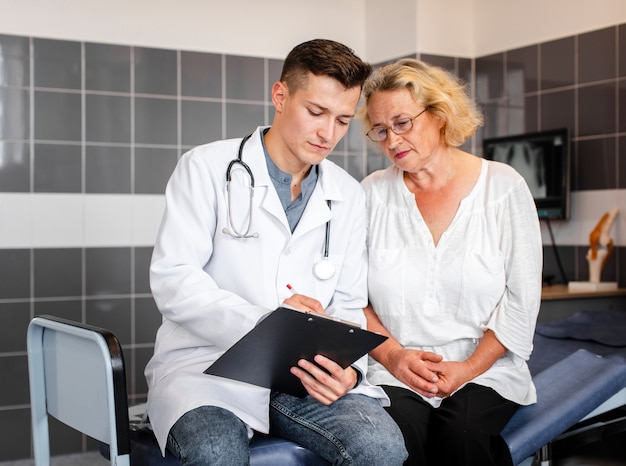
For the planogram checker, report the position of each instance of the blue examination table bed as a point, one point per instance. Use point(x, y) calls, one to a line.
point(578, 365)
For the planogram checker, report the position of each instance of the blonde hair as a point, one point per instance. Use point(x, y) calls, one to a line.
point(442, 93)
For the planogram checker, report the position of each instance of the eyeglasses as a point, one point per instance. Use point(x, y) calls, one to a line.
point(379, 133)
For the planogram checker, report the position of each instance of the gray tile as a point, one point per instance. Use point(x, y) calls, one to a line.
point(156, 121)
point(57, 116)
point(201, 74)
point(522, 70)
point(274, 70)
point(621, 176)
point(557, 63)
point(66, 309)
point(376, 162)
point(57, 63)
point(490, 77)
point(107, 170)
point(58, 272)
point(155, 71)
point(355, 137)
point(107, 118)
point(596, 55)
point(621, 99)
point(107, 67)
point(522, 114)
point(107, 271)
point(153, 168)
point(111, 314)
point(355, 166)
point(143, 255)
point(622, 49)
point(14, 273)
point(201, 122)
point(558, 110)
point(245, 78)
point(14, 320)
point(14, 386)
point(495, 115)
point(447, 63)
point(15, 169)
point(16, 103)
point(15, 426)
point(147, 320)
point(57, 168)
point(596, 109)
point(242, 119)
point(596, 164)
point(15, 56)
point(64, 439)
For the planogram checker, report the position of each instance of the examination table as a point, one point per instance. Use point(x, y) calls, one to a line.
point(579, 367)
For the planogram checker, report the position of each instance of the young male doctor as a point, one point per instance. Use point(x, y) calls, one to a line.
point(223, 259)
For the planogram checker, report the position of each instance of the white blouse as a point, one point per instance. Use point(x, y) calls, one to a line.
point(485, 273)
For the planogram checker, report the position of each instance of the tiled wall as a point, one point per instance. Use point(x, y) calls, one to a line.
point(84, 118)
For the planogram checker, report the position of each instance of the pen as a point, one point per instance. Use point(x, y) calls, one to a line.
point(292, 289)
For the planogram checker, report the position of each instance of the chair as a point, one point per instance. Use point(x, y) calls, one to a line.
point(77, 375)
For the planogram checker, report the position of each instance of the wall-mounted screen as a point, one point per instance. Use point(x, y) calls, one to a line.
point(543, 159)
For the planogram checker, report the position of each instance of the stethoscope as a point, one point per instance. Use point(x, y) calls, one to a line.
point(323, 269)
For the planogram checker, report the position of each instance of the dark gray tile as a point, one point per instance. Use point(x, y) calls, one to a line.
point(557, 63)
point(201, 74)
point(596, 55)
point(63, 439)
point(621, 176)
point(621, 31)
point(523, 114)
point(464, 67)
point(107, 271)
point(15, 169)
point(153, 168)
point(57, 116)
point(609, 271)
point(15, 425)
point(447, 63)
point(620, 251)
point(57, 63)
point(155, 71)
point(57, 168)
point(111, 314)
point(596, 164)
point(596, 109)
point(558, 110)
point(274, 70)
point(107, 118)
point(58, 272)
point(14, 320)
point(14, 386)
point(142, 356)
point(107, 170)
point(143, 255)
point(355, 166)
point(522, 74)
point(245, 78)
point(242, 119)
point(107, 67)
point(16, 104)
point(495, 116)
point(15, 56)
point(201, 122)
point(621, 99)
point(70, 309)
point(14, 273)
point(156, 121)
point(376, 162)
point(147, 320)
point(551, 269)
point(490, 77)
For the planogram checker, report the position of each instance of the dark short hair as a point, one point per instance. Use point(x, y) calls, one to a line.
point(323, 57)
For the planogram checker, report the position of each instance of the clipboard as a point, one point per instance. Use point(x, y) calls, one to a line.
point(264, 355)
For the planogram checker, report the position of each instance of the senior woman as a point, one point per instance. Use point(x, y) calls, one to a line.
point(455, 261)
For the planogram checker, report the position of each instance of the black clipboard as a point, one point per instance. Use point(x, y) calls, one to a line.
point(264, 355)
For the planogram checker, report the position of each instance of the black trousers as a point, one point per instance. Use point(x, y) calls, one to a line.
point(463, 431)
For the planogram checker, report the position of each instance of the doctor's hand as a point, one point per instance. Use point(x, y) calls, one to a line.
point(305, 303)
point(326, 386)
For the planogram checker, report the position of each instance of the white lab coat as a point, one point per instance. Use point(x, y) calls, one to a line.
point(212, 288)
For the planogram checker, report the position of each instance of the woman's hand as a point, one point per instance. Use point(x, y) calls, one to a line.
point(417, 369)
point(328, 385)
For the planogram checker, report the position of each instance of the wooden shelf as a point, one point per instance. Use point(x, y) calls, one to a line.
point(549, 293)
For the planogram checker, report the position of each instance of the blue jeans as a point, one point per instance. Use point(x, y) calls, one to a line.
point(354, 430)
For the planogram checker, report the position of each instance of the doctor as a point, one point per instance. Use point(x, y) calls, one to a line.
point(223, 259)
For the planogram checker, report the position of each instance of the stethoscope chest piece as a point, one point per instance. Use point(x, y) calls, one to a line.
point(324, 269)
